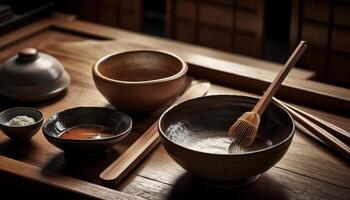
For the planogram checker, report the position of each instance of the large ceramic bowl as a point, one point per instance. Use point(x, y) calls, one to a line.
point(118, 123)
point(184, 130)
point(140, 80)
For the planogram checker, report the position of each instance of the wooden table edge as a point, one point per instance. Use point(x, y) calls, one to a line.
point(33, 174)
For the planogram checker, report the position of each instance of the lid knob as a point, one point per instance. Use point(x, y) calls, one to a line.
point(28, 54)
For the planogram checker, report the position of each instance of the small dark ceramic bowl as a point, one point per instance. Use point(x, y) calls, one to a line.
point(118, 123)
point(22, 132)
point(189, 120)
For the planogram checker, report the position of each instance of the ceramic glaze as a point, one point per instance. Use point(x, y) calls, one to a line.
point(86, 132)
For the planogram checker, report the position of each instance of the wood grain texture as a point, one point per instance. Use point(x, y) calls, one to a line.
point(19, 172)
point(223, 72)
point(307, 171)
point(326, 137)
point(132, 156)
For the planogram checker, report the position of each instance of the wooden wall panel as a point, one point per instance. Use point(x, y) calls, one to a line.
point(215, 38)
point(251, 4)
point(325, 25)
point(108, 12)
point(185, 31)
point(216, 15)
point(244, 19)
point(216, 24)
point(87, 10)
point(245, 44)
point(342, 14)
point(340, 68)
point(341, 40)
point(317, 10)
point(315, 34)
point(185, 9)
point(125, 14)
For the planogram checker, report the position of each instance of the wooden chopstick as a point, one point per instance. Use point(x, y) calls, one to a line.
point(336, 131)
point(115, 172)
point(319, 132)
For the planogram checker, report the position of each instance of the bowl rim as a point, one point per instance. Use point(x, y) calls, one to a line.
point(23, 108)
point(52, 92)
point(290, 135)
point(114, 136)
point(177, 75)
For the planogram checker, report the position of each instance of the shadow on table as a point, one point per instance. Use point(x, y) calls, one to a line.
point(84, 168)
point(18, 150)
point(266, 187)
point(8, 103)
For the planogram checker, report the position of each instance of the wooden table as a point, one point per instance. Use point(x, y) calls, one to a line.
point(309, 170)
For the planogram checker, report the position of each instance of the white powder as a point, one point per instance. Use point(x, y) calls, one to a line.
point(218, 142)
point(210, 145)
point(21, 120)
point(209, 141)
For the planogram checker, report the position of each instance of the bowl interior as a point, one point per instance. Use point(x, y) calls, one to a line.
point(137, 66)
point(116, 122)
point(191, 123)
point(7, 115)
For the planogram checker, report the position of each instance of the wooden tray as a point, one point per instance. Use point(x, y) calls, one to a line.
point(308, 170)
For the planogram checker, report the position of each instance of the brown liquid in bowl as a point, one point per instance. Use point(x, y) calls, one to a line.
point(86, 132)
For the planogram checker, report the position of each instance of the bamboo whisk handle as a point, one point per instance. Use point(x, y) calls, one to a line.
point(275, 85)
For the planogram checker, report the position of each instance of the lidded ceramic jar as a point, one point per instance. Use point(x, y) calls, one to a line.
point(32, 76)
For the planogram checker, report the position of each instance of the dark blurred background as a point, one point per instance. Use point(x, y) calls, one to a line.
point(266, 29)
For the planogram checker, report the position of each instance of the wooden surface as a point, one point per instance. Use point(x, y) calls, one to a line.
point(309, 170)
point(325, 25)
point(133, 156)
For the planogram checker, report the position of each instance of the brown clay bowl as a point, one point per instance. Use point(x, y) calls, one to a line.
point(118, 123)
point(183, 127)
point(23, 132)
point(140, 80)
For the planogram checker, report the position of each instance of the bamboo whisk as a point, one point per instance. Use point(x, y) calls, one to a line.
point(243, 131)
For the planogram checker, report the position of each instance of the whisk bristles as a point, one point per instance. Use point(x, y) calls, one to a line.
point(244, 130)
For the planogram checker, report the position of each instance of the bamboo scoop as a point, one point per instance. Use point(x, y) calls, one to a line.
point(243, 131)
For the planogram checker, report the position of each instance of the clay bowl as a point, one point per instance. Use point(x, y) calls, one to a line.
point(140, 80)
point(118, 123)
point(185, 127)
point(23, 132)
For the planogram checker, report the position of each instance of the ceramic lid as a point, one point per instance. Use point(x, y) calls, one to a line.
point(32, 73)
